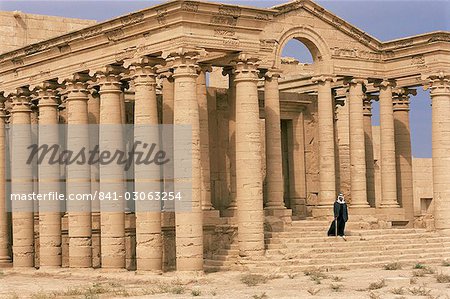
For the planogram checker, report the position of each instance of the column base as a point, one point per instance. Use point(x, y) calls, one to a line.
point(211, 217)
point(5, 262)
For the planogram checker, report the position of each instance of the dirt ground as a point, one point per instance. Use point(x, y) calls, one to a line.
point(426, 281)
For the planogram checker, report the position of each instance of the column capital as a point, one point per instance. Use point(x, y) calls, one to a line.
point(400, 98)
point(143, 70)
point(271, 74)
point(245, 67)
point(438, 83)
point(355, 81)
point(183, 60)
point(47, 93)
point(323, 78)
point(367, 105)
point(108, 77)
point(21, 100)
point(384, 83)
point(3, 100)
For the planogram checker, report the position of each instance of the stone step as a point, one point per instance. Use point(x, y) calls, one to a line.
point(228, 252)
point(261, 269)
point(358, 248)
point(294, 234)
point(303, 240)
point(339, 243)
point(356, 253)
point(393, 231)
point(6, 265)
point(355, 260)
point(220, 257)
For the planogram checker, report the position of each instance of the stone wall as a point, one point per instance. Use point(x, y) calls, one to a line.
point(18, 29)
point(422, 184)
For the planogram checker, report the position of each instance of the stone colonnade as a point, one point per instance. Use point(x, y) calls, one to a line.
point(184, 103)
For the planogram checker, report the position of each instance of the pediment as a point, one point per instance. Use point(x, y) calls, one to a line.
point(321, 15)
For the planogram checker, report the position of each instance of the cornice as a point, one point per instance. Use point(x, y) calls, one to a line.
point(417, 40)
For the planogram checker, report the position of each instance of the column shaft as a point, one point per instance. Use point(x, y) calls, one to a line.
point(232, 139)
point(188, 215)
point(370, 166)
point(147, 177)
point(403, 153)
point(167, 120)
point(204, 141)
point(22, 182)
point(5, 257)
point(327, 167)
point(112, 216)
point(357, 146)
point(78, 181)
point(49, 181)
point(274, 170)
point(387, 148)
point(440, 95)
point(249, 196)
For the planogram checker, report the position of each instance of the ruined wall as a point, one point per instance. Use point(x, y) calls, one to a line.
point(18, 29)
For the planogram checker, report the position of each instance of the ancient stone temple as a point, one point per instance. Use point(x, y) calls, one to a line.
point(273, 140)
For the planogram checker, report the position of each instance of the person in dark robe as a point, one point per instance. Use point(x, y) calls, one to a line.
point(340, 217)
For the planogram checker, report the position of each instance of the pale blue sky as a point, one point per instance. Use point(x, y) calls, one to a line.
point(383, 19)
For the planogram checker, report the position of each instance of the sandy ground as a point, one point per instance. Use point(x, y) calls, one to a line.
point(359, 283)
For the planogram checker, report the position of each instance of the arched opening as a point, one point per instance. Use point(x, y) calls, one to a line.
point(298, 57)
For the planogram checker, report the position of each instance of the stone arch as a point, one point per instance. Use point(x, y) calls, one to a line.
point(310, 38)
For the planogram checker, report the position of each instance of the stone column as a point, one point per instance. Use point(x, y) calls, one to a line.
point(112, 175)
point(403, 151)
point(274, 163)
point(5, 257)
point(167, 120)
point(94, 118)
point(147, 177)
point(327, 164)
point(298, 170)
point(22, 180)
point(440, 96)
point(231, 138)
point(188, 211)
point(370, 167)
point(204, 139)
point(250, 213)
point(49, 178)
point(78, 176)
point(387, 147)
point(358, 187)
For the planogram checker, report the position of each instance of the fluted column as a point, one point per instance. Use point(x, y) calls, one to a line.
point(403, 151)
point(112, 175)
point(204, 139)
point(147, 177)
point(22, 180)
point(440, 96)
point(78, 175)
point(249, 197)
point(49, 176)
point(188, 211)
point(327, 160)
point(358, 187)
point(5, 257)
point(387, 147)
point(370, 167)
point(274, 162)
